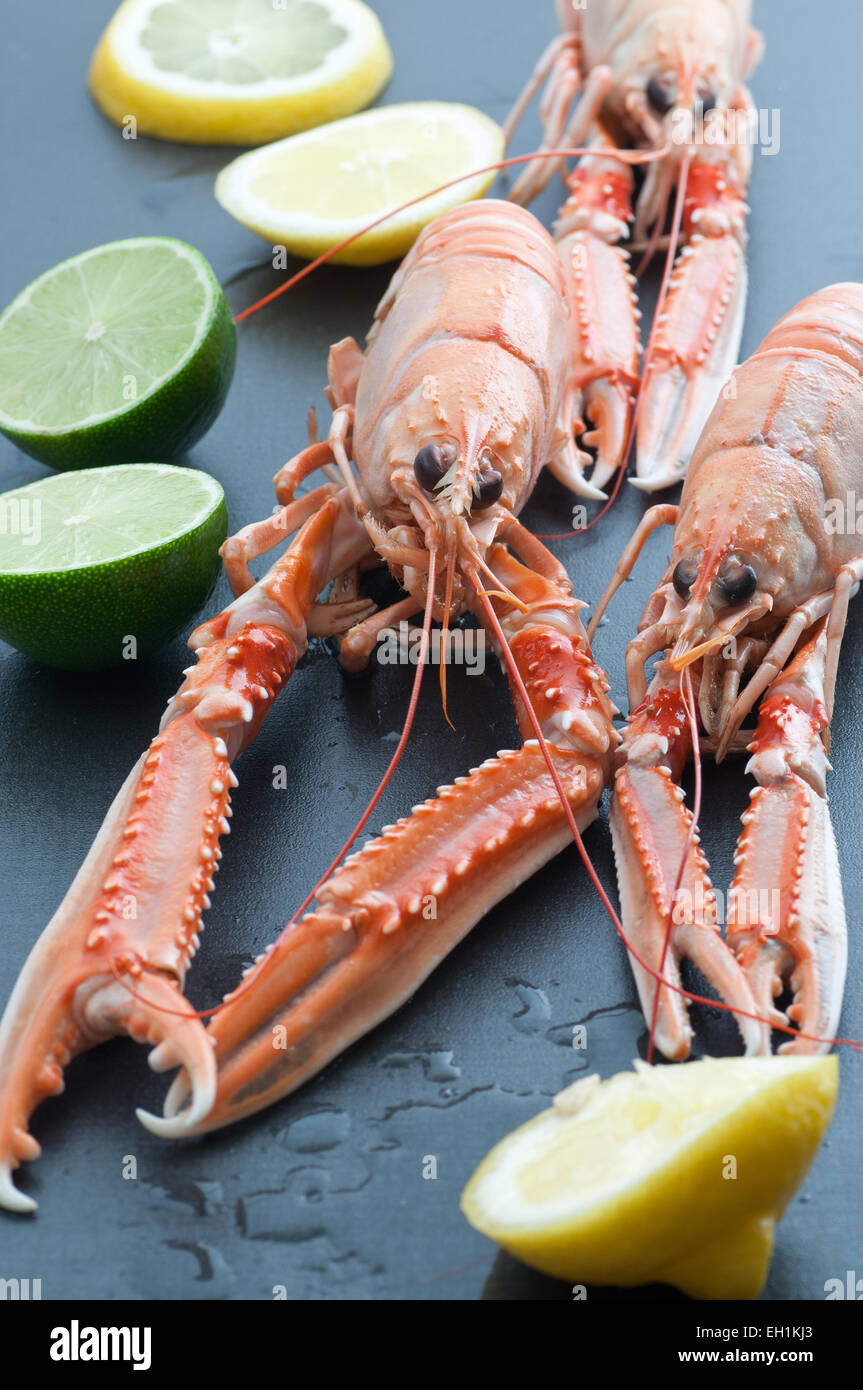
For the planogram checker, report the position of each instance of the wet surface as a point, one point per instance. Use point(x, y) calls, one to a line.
point(330, 1194)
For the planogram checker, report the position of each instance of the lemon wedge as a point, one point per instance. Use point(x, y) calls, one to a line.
point(311, 191)
point(674, 1175)
point(237, 72)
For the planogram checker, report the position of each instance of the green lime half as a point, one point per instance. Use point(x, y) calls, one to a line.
point(124, 352)
point(102, 566)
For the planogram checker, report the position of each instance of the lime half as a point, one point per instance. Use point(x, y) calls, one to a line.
point(123, 352)
point(101, 566)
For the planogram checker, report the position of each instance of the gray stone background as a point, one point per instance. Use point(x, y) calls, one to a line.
point(324, 1193)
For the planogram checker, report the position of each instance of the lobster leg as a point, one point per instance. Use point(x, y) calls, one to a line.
point(650, 825)
point(114, 957)
point(663, 515)
point(262, 536)
point(316, 455)
point(568, 109)
point(786, 918)
point(833, 602)
point(360, 641)
point(393, 910)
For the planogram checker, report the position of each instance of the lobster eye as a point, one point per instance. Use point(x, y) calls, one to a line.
point(736, 581)
point(685, 572)
point(662, 93)
point(487, 488)
point(430, 466)
point(707, 98)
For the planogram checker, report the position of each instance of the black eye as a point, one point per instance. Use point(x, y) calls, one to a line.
point(707, 99)
point(487, 488)
point(685, 572)
point(662, 94)
point(736, 581)
point(430, 466)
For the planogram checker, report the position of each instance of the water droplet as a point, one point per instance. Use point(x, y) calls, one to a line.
point(536, 1009)
point(213, 1270)
point(437, 1066)
point(323, 1129)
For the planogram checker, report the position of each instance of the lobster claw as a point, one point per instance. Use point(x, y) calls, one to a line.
point(606, 346)
point(650, 824)
point(698, 333)
point(793, 933)
point(386, 919)
point(114, 957)
point(394, 909)
point(98, 970)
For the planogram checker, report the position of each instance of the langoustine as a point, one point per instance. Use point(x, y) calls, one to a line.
point(752, 607)
point(668, 77)
point(438, 435)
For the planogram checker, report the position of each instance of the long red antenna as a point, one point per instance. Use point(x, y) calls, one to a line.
point(625, 156)
point(445, 628)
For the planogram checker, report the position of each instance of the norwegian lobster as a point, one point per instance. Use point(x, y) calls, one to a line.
point(753, 604)
point(447, 433)
point(648, 75)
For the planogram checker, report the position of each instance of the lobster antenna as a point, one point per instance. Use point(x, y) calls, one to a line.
point(633, 157)
point(656, 233)
point(668, 269)
point(254, 975)
point(444, 629)
point(521, 690)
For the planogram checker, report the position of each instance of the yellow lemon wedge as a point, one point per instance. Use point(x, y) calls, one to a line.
point(673, 1175)
point(237, 72)
point(308, 193)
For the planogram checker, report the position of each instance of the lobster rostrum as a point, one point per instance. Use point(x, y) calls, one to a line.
point(439, 432)
point(647, 75)
point(752, 607)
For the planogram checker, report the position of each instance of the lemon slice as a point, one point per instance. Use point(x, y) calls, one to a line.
point(674, 1175)
point(311, 191)
point(237, 72)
